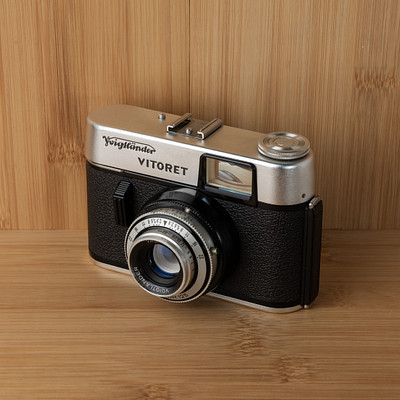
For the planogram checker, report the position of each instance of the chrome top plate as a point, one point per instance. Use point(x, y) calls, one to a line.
point(128, 138)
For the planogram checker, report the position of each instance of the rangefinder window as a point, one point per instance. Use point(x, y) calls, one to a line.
point(230, 176)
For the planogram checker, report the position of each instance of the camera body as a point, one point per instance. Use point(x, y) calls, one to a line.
point(190, 207)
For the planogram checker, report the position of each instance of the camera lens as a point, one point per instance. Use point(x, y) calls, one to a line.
point(175, 247)
point(161, 262)
point(165, 262)
point(169, 254)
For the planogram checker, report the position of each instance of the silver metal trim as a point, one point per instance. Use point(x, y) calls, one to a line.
point(179, 121)
point(209, 128)
point(313, 202)
point(256, 306)
point(133, 139)
point(217, 295)
point(206, 130)
point(111, 267)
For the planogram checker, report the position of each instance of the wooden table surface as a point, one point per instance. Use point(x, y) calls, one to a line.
point(71, 330)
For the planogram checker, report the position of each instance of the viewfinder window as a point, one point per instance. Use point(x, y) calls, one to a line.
point(229, 176)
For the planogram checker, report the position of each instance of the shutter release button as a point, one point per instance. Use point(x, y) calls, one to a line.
point(283, 146)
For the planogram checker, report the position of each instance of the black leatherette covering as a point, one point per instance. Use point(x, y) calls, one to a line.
point(269, 270)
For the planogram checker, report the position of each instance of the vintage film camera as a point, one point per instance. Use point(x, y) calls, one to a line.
point(189, 207)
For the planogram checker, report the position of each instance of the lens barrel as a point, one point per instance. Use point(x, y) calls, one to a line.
point(173, 249)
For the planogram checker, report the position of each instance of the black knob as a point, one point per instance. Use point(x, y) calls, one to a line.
point(123, 203)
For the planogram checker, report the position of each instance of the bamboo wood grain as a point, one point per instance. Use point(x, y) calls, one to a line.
point(326, 69)
point(60, 59)
point(71, 330)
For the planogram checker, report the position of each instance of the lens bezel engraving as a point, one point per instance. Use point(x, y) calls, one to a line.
point(189, 235)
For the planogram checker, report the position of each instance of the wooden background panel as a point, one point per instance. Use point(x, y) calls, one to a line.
point(325, 69)
point(58, 60)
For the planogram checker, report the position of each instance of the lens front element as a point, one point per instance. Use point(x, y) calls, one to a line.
point(165, 262)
